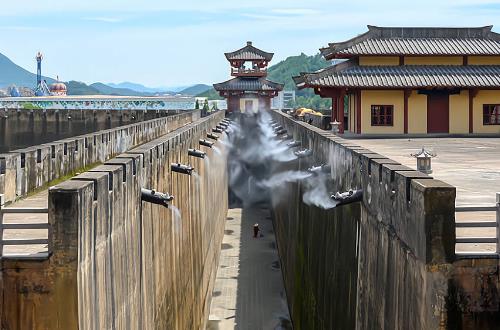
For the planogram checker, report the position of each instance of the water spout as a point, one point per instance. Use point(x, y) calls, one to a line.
point(180, 168)
point(155, 197)
point(196, 153)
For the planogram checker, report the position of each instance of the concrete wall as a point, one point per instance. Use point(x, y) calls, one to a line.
point(433, 60)
point(121, 263)
point(459, 113)
point(382, 263)
point(33, 167)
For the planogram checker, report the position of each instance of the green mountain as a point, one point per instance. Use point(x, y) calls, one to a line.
point(283, 71)
point(79, 88)
point(195, 90)
point(107, 90)
point(11, 73)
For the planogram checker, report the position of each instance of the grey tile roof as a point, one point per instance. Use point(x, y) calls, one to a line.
point(406, 76)
point(428, 46)
point(249, 53)
point(248, 84)
point(417, 41)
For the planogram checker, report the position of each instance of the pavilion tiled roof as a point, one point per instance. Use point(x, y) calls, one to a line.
point(248, 84)
point(349, 75)
point(398, 41)
point(249, 53)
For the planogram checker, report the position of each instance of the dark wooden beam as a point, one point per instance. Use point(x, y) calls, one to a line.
point(472, 94)
point(341, 110)
point(358, 111)
point(407, 93)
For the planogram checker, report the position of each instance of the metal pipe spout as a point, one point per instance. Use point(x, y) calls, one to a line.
point(212, 136)
point(216, 130)
point(206, 143)
point(155, 197)
point(303, 153)
point(196, 153)
point(293, 144)
point(352, 196)
point(180, 168)
point(281, 131)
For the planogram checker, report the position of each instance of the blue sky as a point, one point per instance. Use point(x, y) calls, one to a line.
point(171, 43)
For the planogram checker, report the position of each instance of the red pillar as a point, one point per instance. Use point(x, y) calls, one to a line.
point(407, 94)
point(341, 112)
point(472, 95)
point(358, 112)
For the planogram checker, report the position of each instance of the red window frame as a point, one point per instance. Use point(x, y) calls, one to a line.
point(382, 115)
point(491, 114)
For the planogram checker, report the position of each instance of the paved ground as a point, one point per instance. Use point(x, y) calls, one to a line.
point(470, 164)
point(37, 200)
point(249, 292)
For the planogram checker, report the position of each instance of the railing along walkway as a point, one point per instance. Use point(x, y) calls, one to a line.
point(478, 222)
point(24, 228)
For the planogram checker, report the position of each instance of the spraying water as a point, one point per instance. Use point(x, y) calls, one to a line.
point(176, 217)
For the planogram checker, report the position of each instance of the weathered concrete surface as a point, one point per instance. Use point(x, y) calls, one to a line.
point(118, 262)
point(39, 200)
point(469, 164)
point(22, 171)
point(388, 262)
point(21, 128)
point(249, 291)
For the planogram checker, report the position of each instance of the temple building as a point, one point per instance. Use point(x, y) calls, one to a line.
point(398, 80)
point(249, 91)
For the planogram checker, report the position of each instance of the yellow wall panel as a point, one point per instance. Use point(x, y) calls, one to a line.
point(459, 113)
point(369, 98)
point(417, 113)
point(378, 60)
point(484, 60)
point(434, 60)
point(485, 97)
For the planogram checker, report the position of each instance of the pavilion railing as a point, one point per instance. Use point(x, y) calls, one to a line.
point(21, 226)
point(480, 224)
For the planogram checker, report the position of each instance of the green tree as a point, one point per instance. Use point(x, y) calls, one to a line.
point(205, 105)
point(197, 105)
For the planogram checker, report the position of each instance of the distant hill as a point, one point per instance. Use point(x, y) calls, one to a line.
point(195, 90)
point(211, 94)
point(11, 73)
point(139, 88)
point(80, 88)
point(283, 71)
point(107, 90)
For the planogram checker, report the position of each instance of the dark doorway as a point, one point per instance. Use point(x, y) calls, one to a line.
point(248, 106)
point(438, 113)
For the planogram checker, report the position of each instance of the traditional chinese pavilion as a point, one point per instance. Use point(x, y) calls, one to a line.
point(249, 91)
point(399, 80)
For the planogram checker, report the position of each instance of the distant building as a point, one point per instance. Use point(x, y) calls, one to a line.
point(249, 91)
point(413, 81)
point(100, 102)
point(283, 100)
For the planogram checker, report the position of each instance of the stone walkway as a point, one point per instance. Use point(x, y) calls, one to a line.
point(39, 200)
point(249, 291)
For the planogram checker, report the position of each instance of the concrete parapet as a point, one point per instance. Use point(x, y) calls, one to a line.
point(118, 262)
point(397, 245)
point(24, 170)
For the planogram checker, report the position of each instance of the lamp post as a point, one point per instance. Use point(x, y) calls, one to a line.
point(424, 163)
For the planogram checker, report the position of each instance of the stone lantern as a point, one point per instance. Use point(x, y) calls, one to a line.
point(335, 126)
point(424, 160)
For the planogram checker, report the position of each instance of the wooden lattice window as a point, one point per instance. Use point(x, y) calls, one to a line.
point(491, 114)
point(382, 115)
